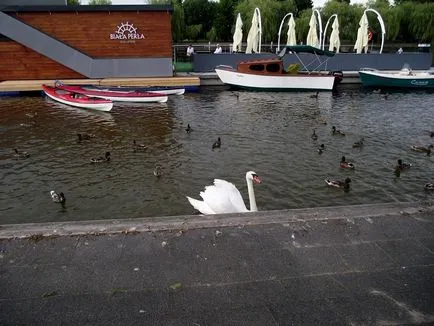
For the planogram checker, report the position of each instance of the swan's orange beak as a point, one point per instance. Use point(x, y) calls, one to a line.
point(256, 179)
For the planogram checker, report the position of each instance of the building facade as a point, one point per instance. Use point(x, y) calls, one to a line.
point(61, 42)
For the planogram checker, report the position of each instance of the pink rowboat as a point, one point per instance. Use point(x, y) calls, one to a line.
point(77, 100)
point(116, 96)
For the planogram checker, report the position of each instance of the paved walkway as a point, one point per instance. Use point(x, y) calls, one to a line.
point(353, 265)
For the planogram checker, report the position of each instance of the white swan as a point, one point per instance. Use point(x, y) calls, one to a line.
point(224, 197)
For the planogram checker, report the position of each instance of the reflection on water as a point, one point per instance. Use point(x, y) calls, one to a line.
point(269, 133)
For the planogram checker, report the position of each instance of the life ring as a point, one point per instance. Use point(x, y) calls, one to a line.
point(369, 36)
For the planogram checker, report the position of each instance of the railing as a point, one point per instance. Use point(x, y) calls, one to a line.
point(180, 50)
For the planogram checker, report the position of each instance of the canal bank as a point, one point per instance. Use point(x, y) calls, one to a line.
point(347, 265)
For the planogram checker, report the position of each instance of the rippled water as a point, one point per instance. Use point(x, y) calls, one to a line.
point(269, 133)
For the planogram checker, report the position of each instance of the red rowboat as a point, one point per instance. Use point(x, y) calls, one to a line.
point(77, 100)
point(115, 96)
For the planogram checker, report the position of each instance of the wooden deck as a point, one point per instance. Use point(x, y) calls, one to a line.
point(36, 85)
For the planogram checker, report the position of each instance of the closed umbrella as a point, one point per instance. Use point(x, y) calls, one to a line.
point(362, 35)
point(238, 34)
point(252, 37)
point(312, 36)
point(291, 32)
point(335, 42)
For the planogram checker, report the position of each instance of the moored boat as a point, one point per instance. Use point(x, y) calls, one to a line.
point(270, 75)
point(164, 90)
point(404, 78)
point(134, 96)
point(77, 100)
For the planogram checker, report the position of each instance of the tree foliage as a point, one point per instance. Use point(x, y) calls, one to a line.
point(271, 11)
point(225, 19)
point(99, 2)
point(200, 12)
point(406, 21)
point(73, 2)
point(303, 5)
point(178, 22)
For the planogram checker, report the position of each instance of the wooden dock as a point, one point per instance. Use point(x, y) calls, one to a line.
point(36, 85)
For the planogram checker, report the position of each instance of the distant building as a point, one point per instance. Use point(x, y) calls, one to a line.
point(62, 42)
point(32, 2)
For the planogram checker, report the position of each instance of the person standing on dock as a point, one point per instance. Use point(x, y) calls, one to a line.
point(218, 49)
point(190, 50)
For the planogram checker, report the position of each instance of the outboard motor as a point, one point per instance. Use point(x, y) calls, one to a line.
point(338, 77)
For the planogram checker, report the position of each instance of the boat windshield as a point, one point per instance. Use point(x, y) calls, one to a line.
point(317, 63)
point(304, 49)
point(406, 70)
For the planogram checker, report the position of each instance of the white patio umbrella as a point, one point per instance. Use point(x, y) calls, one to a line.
point(252, 37)
point(312, 36)
point(362, 35)
point(291, 32)
point(335, 42)
point(238, 34)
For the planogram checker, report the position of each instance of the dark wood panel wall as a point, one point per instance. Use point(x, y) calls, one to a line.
point(90, 33)
point(18, 62)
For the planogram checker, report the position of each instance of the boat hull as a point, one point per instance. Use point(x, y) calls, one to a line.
point(396, 79)
point(287, 82)
point(163, 90)
point(83, 102)
point(116, 96)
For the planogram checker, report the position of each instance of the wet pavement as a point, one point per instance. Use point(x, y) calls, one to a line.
point(349, 265)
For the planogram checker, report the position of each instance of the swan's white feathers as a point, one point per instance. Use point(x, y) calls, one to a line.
point(201, 206)
point(222, 197)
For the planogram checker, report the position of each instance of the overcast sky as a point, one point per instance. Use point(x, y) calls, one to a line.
point(316, 3)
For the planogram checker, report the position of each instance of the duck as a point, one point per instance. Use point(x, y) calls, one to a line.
point(377, 91)
point(314, 136)
point(314, 95)
point(223, 197)
point(57, 197)
point(19, 154)
point(431, 134)
point(188, 129)
point(429, 186)
point(158, 171)
point(137, 146)
point(337, 131)
point(423, 149)
point(100, 159)
point(321, 149)
point(359, 144)
point(339, 184)
point(81, 137)
point(32, 115)
point(217, 143)
point(402, 166)
point(346, 165)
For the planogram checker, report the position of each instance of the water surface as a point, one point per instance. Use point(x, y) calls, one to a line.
point(269, 133)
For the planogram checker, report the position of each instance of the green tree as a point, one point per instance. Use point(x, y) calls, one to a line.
point(303, 5)
point(272, 12)
point(348, 17)
point(422, 21)
point(73, 2)
point(99, 2)
point(399, 2)
point(225, 19)
point(178, 22)
point(199, 13)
